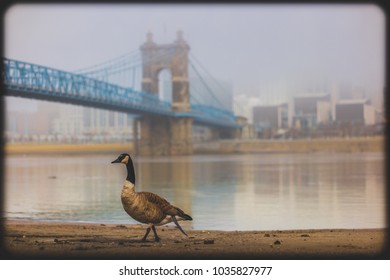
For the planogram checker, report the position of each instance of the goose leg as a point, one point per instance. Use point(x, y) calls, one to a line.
point(146, 234)
point(177, 224)
point(156, 237)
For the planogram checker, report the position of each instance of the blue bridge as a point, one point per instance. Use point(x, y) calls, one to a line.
point(98, 86)
point(23, 79)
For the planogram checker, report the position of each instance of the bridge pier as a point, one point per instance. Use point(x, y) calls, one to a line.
point(181, 136)
point(164, 136)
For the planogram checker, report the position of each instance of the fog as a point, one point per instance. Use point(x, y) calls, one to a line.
point(260, 49)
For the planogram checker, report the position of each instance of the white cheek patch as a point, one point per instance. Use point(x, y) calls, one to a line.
point(125, 160)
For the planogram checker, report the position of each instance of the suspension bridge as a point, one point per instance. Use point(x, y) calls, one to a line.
point(130, 83)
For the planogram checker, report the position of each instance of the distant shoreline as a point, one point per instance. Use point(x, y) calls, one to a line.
point(30, 148)
point(349, 145)
point(331, 145)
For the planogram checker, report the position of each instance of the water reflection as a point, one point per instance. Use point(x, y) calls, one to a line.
point(332, 191)
point(230, 192)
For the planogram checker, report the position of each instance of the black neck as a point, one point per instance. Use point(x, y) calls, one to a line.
point(130, 171)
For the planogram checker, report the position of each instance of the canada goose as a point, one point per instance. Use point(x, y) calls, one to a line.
point(146, 207)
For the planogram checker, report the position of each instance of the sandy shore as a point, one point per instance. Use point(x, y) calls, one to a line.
point(25, 239)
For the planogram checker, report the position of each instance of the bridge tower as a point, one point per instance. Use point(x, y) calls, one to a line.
point(166, 135)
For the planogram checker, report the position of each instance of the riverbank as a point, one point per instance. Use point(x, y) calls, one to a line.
point(36, 148)
point(336, 145)
point(332, 145)
point(29, 239)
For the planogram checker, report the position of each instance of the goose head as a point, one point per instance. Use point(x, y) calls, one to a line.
point(126, 160)
point(122, 158)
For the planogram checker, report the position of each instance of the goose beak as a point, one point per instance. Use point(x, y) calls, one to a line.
point(116, 161)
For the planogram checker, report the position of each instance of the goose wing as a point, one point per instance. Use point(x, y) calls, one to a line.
point(164, 205)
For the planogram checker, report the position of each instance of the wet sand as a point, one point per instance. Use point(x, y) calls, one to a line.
point(26, 239)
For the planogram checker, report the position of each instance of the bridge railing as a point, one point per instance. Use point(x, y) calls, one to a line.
point(38, 79)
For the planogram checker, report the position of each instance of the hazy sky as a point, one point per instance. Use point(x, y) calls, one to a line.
point(258, 48)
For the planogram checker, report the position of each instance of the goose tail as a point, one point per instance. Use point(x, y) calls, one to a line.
point(183, 215)
point(186, 217)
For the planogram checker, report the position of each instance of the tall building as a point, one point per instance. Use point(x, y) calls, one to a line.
point(69, 121)
point(28, 123)
point(243, 106)
point(267, 116)
point(103, 125)
point(51, 121)
point(271, 118)
point(359, 112)
point(309, 111)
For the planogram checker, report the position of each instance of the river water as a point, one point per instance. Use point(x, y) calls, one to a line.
point(223, 192)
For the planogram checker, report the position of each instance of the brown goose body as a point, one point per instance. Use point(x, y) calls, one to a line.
point(146, 207)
